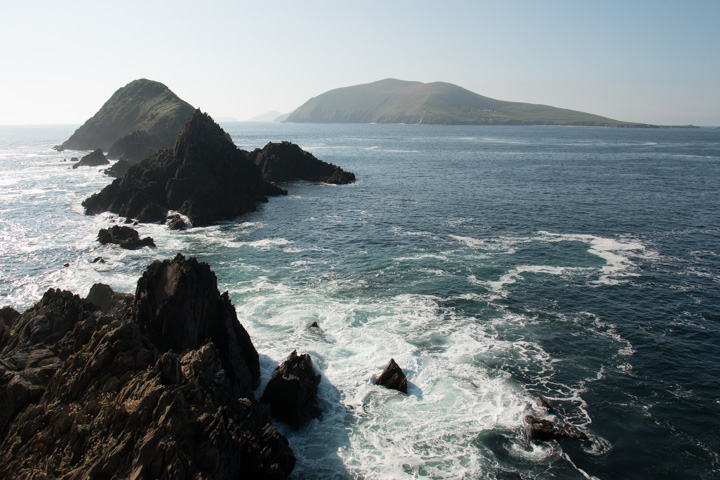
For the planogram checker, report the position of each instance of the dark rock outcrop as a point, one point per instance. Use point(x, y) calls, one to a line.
point(141, 105)
point(393, 377)
point(92, 159)
point(118, 169)
point(135, 146)
point(126, 237)
point(90, 393)
point(292, 391)
point(285, 161)
point(204, 177)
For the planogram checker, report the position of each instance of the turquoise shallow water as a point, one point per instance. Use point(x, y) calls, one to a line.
point(494, 264)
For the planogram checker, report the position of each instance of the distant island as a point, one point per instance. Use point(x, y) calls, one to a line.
point(439, 103)
point(139, 119)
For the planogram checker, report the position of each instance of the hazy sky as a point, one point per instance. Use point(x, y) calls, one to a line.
point(648, 61)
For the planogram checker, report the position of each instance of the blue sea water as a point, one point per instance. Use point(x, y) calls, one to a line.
point(494, 264)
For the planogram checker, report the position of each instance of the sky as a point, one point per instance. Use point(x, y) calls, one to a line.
point(648, 61)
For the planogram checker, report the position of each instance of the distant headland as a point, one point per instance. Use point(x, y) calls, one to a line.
point(438, 103)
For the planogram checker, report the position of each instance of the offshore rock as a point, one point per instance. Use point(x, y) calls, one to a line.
point(87, 393)
point(283, 162)
point(292, 391)
point(126, 237)
point(141, 105)
point(204, 177)
point(92, 159)
point(544, 425)
point(393, 377)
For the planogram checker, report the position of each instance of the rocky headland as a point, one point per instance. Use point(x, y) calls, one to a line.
point(153, 385)
point(207, 178)
point(140, 118)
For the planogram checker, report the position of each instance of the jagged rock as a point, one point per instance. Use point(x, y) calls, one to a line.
point(393, 377)
point(292, 391)
point(141, 105)
point(179, 306)
point(87, 394)
point(175, 222)
point(92, 159)
point(205, 177)
point(74, 159)
point(126, 237)
point(283, 162)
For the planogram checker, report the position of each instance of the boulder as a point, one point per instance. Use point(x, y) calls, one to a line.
point(92, 159)
point(118, 169)
point(126, 237)
point(393, 377)
point(292, 391)
point(283, 162)
point(204, 177)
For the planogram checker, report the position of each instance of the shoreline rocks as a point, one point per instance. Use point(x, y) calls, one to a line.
point(135, 386)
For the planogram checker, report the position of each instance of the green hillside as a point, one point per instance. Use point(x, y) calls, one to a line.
point(398, 101)
point(141, 105)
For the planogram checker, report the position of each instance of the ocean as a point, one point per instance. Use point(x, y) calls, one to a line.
point(496, 265)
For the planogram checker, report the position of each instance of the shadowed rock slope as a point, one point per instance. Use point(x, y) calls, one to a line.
point(155, 385)
point(205, 177)
point(143, 106)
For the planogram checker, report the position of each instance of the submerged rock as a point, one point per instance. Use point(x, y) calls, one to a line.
point(545, 425)
point(126, 237)
point(393, 377)
point(283, 162)
point(292, 391)
point(90, 393)
point(92, 159)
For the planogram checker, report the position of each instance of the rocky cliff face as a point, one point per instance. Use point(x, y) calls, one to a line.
point(140, 106)
point(285, 161)
point(156, 385)
point(205, 177)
